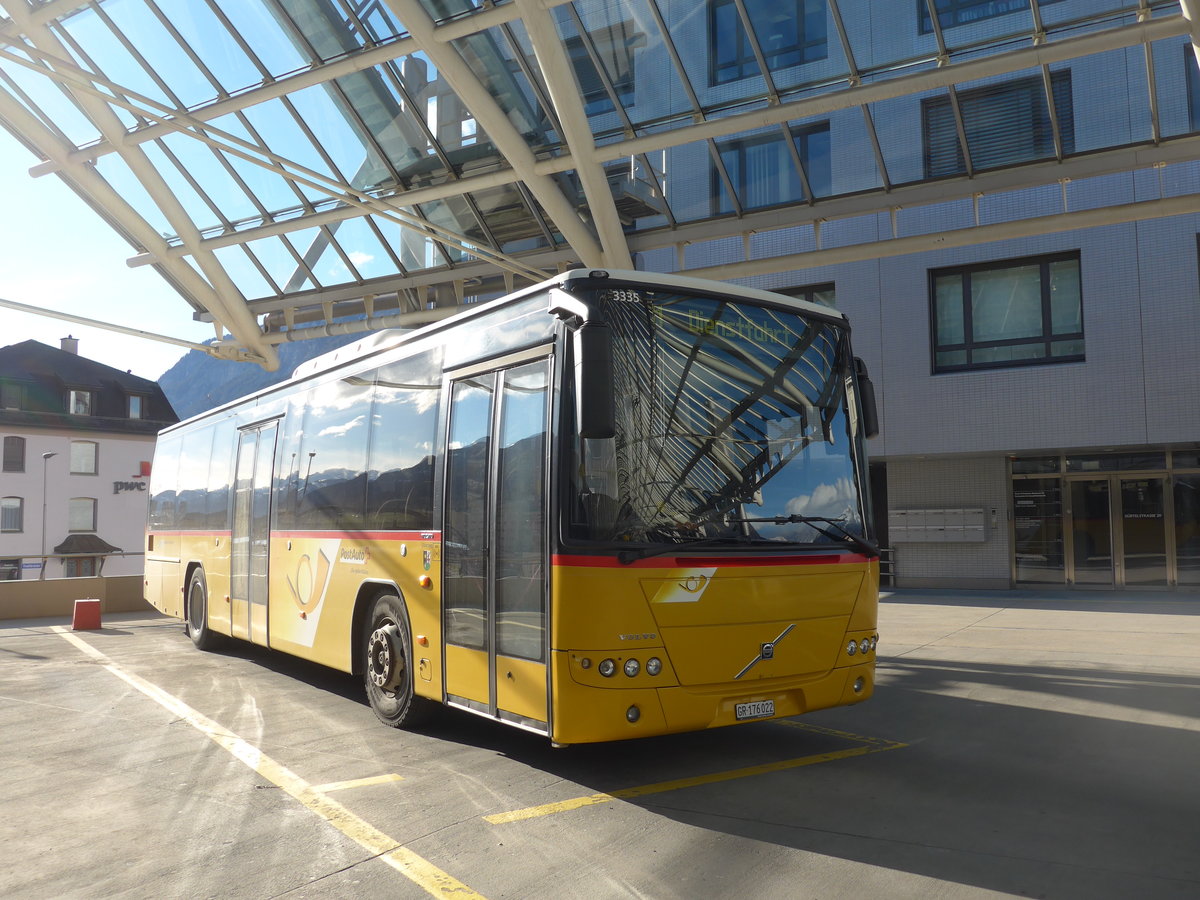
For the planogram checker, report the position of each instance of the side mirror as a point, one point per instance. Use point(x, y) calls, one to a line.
point(594, 381)
point(866, 399)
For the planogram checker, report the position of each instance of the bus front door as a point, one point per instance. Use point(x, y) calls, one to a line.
point(495, 544)
point(251, 532)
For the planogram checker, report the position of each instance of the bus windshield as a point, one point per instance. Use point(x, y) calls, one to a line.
point(734, 425)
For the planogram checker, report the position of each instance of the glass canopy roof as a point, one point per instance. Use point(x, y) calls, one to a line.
point(297, 168)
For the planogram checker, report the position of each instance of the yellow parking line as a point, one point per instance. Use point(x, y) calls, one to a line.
point(355, 783)
point(417, 869)
point(533, 812)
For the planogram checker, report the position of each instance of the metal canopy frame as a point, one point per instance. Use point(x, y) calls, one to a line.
point(376, 163)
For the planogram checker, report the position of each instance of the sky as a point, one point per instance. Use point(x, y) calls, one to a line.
point(56, 253)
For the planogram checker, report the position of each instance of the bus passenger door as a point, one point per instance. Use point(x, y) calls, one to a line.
point(494, 553)
point(251, 532)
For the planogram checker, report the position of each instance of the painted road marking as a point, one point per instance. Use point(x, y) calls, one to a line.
point(867, 745)
point(417, 869)
point(355, 783)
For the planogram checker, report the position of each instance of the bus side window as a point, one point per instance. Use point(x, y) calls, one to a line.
point(403, 434)
point(333, 454)
point(163, 482)
point(220, 475)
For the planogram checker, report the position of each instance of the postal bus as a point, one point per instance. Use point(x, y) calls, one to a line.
point(612, 505)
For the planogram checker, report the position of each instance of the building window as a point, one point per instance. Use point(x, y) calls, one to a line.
point(12, 395)
point(821, 294)
point(81, 514)
point(80, 403)
point(79, 567)
point(789, 32)
point(84, 455)
point(1018, 312)
point(12, 514)
point(963, 12)
point(14, 454)
point(137, 406)
point(763, 170)
point(1005, 124)
point(10, 569)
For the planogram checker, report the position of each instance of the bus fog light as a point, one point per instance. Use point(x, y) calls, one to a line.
point(607, 667)
point(653, 665)
point(632, 667)
point(633, 714)
point(864, 646)
point(859, 684)
point(852, 648)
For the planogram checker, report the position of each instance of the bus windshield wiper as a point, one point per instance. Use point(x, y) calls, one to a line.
point(839, 530)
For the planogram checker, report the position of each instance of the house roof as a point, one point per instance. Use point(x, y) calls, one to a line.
point(43, 376)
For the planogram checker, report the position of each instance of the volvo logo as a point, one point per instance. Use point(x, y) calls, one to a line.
point(765, 651)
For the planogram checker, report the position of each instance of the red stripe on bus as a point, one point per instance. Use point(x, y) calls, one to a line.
point(363, 535)
point(679, 562)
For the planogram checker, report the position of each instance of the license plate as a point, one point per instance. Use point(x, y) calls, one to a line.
point(759, 709)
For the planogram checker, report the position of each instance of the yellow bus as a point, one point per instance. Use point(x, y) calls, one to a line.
point(611, 505)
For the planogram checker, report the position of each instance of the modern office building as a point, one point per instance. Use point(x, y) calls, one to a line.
point(1003, 195)
point(78, 441)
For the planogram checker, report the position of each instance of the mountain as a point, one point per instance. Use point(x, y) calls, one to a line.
point(199, 382)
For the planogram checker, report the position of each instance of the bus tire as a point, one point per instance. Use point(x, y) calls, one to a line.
point(197, 613)
point(387, 666)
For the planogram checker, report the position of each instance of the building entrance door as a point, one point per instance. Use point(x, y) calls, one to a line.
point(1091, 543)
point(1118, 531)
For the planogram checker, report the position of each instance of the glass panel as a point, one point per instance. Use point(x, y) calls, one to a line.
point(521, 514)
point(1006, 303)
point(81, 514)
point(1037, 464)
point(1186, 489)
point(1037, 514)
point(333, 456)
point(465, 539)
point(239, 563)
point(260, 515)
point(11, 518)
point(1091, 533)
point(1142, 526)
point(404, 428)
point(1066, 310)
point(948, 303)
point(1185, 459)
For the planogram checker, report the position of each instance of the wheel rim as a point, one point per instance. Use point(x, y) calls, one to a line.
point(385, 661)
point(194, 616)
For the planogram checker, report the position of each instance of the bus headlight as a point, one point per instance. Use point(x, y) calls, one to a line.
point(653, 665)
point(864, 646)
point(607, 667)
point(851, 648)
point(632, 667)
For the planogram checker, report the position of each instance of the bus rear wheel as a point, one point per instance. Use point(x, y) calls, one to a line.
point(197, 613)
point(387, 666)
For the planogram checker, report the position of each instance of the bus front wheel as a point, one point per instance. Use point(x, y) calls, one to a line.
point(387, 666)
point(197, 613)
